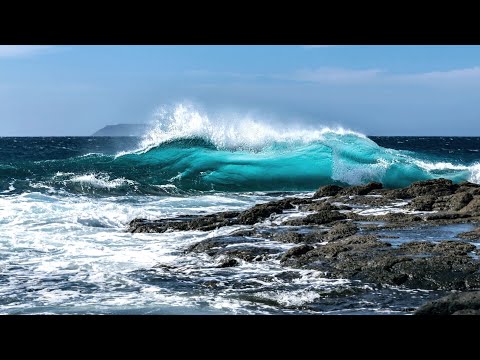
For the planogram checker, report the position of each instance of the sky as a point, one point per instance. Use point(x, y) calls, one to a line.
point(376, 90)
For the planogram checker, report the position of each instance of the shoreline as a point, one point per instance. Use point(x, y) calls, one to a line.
point(349, 233)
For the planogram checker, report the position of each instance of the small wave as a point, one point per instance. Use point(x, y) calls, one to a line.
point(101, 181)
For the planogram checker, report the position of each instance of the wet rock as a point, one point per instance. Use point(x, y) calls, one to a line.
point(453, 202)
point(470, 187)
point(423, 203)
point(446, 265)
point(246, 253)
point(289, 237)
point(460, 304)
point(467, 312)
point(360, 190)
point(470, 235)
point(453, 247)
point(340, 231)
point(417, 247)
point(443, 247)
point(447, 216)
point(183, 223)
point(296, 251)
point(319, 206)
point(328, 190)
point(228, 263)
point(322, 217)
point(296, 238)
point(435, 187)
point(399, 218)
point(213, 245)
point(262, 211)
point(473, 207)
point(369, 200)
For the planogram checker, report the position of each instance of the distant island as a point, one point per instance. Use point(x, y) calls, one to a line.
point(122, 130)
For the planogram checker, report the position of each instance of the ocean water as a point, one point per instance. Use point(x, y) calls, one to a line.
point(65, 203)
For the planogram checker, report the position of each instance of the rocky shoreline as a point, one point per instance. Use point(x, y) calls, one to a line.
point(348, 233)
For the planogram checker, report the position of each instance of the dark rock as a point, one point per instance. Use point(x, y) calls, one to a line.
point(213, 245)
point(262, 211)
point(447, 216)
point(322, 217)
point(297, 251)
point(417, 247)
point(471, 235)
point(228, 263)
point(473, 207)
point(435, 187)
point(246, 253)
point(289, 237)
point(453, 202)
point(444, 247)
point(467, 186)
point(319, 206)
point(418, 265)
point(454, 247)
point(467, 312)
point(341, 230)
point(452, 304)
point(423, 203)
point(183, 223)
point(368, 200)
point(361, 189)
point(328, 190)
point(459, 201)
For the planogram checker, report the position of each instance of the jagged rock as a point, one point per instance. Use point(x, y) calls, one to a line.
point(228, 263)
point(435, 187)
point(360, 190)
point(183, 223)
point(297, 251)
point(455, 304)
point(445, 265)
point(473, 207)
point(262, 211)
point(340, 231)
point(423, 203)
point(328, 190)
point(471, 235)
point(453, 202)
point(319, 206)
point(322, 217)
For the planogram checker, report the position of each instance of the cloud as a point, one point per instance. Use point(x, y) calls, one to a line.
point(454, 75)
point(22, 50)
point(327, 75)
point(336, 75)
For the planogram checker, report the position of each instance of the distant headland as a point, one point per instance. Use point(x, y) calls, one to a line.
point(122, 130)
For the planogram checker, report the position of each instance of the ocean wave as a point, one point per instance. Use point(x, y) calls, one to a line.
point(232, 132)
point(100, 181)
point(189, 152)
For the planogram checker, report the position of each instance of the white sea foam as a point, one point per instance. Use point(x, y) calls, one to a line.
point(474, 169)
point(100, 181)
point(232, 131)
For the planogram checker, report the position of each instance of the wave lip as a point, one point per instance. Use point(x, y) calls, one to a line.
point(233, 132)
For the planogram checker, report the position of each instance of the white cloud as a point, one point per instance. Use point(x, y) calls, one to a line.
point(22, 50)
point(336, 75)
point(326, 75)
point(455, 75)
